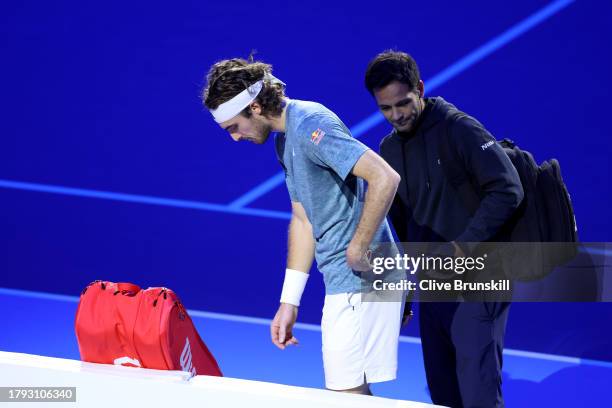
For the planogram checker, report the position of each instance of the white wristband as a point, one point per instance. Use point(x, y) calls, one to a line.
point(293, 287)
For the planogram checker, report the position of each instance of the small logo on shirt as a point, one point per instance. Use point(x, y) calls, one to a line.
point(316, 136)
point(486, 145)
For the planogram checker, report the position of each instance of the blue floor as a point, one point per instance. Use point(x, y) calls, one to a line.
point(43, 324)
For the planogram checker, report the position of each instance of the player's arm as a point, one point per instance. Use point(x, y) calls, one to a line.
point(300, 256)
point(497, 179)
point(382, 186)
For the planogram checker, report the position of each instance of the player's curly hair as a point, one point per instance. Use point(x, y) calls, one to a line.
point(228, 78)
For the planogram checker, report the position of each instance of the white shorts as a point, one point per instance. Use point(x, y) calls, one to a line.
point(360, 340)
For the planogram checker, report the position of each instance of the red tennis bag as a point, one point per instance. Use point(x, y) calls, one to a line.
point(118, 323)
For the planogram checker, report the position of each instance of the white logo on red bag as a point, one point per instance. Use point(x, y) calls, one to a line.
point(186, 364)
point(127, 361)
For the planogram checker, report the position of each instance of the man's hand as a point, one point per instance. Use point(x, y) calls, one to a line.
point(281, 328)
point(357, 258)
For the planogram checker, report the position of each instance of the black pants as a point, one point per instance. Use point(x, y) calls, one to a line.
point(462, 348)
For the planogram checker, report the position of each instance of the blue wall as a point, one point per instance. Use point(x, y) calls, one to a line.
point(104, 97)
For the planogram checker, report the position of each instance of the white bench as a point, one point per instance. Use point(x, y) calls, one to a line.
point(102, 385)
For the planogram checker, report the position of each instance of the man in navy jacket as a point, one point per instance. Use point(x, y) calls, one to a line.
point(462, 341)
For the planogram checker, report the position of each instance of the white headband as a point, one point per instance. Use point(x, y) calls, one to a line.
point(234, 106)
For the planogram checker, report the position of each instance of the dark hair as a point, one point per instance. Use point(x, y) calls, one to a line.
point(389, 66)
point(228, 78)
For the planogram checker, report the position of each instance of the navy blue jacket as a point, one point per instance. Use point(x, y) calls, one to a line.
point(426, 207)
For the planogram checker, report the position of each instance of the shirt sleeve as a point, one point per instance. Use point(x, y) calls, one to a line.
point(328, 143)
point(493, 173)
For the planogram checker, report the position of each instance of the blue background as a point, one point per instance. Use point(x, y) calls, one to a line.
point(101, 99)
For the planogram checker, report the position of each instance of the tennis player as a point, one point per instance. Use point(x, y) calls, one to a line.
point(333, 218)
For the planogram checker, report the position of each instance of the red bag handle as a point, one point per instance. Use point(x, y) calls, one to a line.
point(127, 288)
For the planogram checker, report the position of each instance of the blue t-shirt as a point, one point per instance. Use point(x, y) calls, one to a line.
point(318, 153)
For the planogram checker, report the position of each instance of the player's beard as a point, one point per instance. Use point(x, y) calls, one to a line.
point(262, 132)
point(410, 123)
